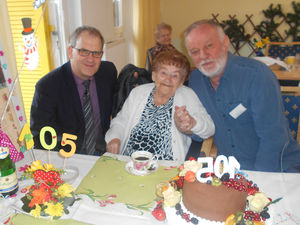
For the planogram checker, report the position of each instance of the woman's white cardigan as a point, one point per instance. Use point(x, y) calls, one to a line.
point(134, 105)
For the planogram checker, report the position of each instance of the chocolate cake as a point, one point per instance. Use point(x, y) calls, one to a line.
point(211, 202)
point(214, 199)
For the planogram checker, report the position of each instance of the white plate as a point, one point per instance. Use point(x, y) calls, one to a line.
point(131, 170)
point(72, 209)
point(70, 175)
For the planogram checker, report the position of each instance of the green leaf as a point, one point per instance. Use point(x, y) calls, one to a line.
point(105, 158)
point(66, 211)
point(276, 200)
point(69, 201)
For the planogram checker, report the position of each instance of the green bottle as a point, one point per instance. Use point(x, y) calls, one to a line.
point(8, 176)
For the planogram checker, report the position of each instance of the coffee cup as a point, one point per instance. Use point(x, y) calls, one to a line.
point(290, 60)
point(141, 160)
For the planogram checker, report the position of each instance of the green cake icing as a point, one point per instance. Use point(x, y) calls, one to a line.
point(109, 177)
point(22, 219)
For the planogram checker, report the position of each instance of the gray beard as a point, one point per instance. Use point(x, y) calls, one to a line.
point(220, 65)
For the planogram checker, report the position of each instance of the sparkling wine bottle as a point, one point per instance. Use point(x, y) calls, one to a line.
point(8, 175)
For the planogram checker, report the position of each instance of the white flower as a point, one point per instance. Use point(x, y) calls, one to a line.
point(171, 197)
point(190, 165)
point(258, 201)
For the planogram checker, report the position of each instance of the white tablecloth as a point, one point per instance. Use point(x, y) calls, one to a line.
point(275, 185)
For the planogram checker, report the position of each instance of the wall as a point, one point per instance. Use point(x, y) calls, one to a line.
point(120, 51)
point(7, 42)
point(6, 38)
point(100, 15)
point(180, 13)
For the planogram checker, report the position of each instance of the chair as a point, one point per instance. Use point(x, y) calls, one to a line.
point(282, 49)
point(292, 112)
point(290, 94)
point(129, 77)
point(209, 148)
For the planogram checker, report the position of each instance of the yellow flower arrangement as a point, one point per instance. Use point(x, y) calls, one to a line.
point(65, 190)
point(37, 165)
point(37, 211)
point(49, 195)
point(54, 209)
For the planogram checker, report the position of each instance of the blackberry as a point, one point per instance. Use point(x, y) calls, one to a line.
point(225, 177)
point(194, 220)
point(177, 206)
point(265, 214)
point(179, 212)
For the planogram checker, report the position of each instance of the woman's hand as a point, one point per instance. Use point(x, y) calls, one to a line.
point(183, 120)
point(114, 146)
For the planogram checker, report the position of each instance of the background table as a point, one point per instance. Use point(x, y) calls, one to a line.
point(275, 185)
point(285, 75)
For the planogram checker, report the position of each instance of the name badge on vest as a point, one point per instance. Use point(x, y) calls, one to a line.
point(237, 111)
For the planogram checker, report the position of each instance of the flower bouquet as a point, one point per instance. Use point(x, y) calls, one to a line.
point(260, 45)
point(49, 195)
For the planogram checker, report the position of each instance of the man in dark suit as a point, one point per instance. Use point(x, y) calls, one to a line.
point(59, 99)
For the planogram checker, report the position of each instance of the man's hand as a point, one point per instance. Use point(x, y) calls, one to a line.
point(114, 146)
point(183, 120)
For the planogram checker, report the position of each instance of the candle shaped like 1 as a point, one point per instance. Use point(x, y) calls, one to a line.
point(27, 135)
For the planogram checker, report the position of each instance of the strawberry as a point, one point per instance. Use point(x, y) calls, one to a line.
point(192, 158)
point(159, 214)
point(179, 182)
point(159, 204)
point(251, 191)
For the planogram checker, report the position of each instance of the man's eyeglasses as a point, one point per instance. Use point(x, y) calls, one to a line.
point(85, 52)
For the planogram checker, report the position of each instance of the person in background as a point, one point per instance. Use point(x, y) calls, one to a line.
point(146, 120)
point(163, 38)
point(77, 97)
point(243, 97)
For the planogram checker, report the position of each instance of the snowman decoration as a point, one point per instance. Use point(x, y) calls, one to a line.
point(37, 3)
point(31, 54)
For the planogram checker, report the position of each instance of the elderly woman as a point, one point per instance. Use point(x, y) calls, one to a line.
point(146, 121)
point(163, 40)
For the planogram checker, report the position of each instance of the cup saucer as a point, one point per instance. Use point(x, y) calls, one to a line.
point(152, 168)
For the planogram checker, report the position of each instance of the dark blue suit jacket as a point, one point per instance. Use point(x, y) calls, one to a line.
point(56, 103)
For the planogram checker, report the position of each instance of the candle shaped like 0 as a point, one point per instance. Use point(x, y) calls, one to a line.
point(222, 165)
point(53, 138)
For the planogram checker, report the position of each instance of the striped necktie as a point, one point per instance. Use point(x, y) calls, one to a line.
point(89, 138)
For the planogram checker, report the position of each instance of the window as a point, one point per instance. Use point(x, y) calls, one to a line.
point(118, 17)
point(117, 13)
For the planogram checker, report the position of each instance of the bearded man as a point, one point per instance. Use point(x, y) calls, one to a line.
point(243, 97)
